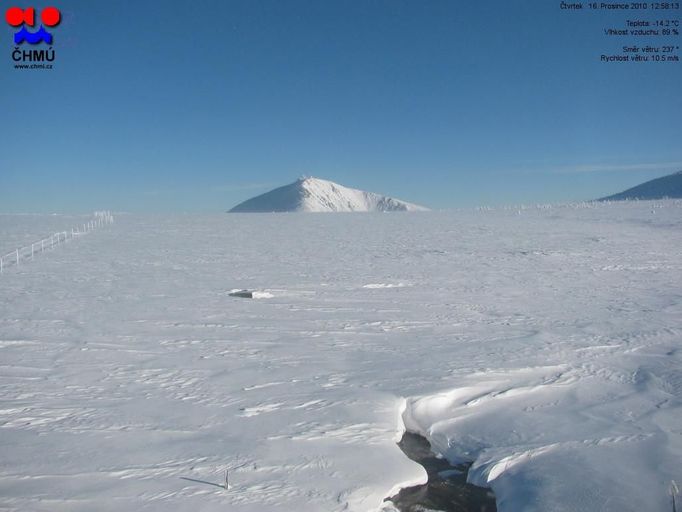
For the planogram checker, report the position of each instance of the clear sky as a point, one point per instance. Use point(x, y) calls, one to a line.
point(197, 105)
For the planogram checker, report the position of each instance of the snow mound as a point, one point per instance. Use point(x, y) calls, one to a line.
point(316, 195)
point(519, 426)
point(380, 286)
point(249, 294)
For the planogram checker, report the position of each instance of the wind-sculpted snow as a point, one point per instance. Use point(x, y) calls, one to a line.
point(543, 345)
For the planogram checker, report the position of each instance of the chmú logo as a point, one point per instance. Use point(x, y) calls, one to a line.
point(29, 17)
point(18, 17)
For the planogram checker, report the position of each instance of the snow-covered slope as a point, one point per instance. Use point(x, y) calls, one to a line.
point(666, 187)
point(316, 195)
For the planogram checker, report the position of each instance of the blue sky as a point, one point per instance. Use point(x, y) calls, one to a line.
point(197, 105)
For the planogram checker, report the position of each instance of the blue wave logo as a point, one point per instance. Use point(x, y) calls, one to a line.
point(33, 37)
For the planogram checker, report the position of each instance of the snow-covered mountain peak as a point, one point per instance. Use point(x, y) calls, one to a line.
point(310, 194)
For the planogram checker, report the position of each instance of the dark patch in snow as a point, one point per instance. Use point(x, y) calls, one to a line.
point(446, 490)
point(244, 294)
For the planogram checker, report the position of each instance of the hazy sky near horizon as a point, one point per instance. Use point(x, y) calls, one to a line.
point(197, 105)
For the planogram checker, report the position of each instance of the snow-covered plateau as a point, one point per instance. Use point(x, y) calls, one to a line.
point(543, 344)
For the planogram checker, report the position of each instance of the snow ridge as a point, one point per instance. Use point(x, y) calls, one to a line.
point(316, 195)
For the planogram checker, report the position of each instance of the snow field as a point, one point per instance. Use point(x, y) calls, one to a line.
point(26, 248)
point(544, 346)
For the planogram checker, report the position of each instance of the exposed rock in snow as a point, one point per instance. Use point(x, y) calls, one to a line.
point(316, 195)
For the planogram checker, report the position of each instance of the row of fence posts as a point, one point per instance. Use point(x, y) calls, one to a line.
point(101, 218)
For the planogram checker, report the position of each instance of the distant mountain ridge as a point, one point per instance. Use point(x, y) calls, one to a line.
point(665, 187)
point(316, 195)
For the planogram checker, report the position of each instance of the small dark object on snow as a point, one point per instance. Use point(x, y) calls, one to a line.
point(244, 294)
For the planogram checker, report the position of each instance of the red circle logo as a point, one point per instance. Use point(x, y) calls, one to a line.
point(50, 16)
point(15, 16)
